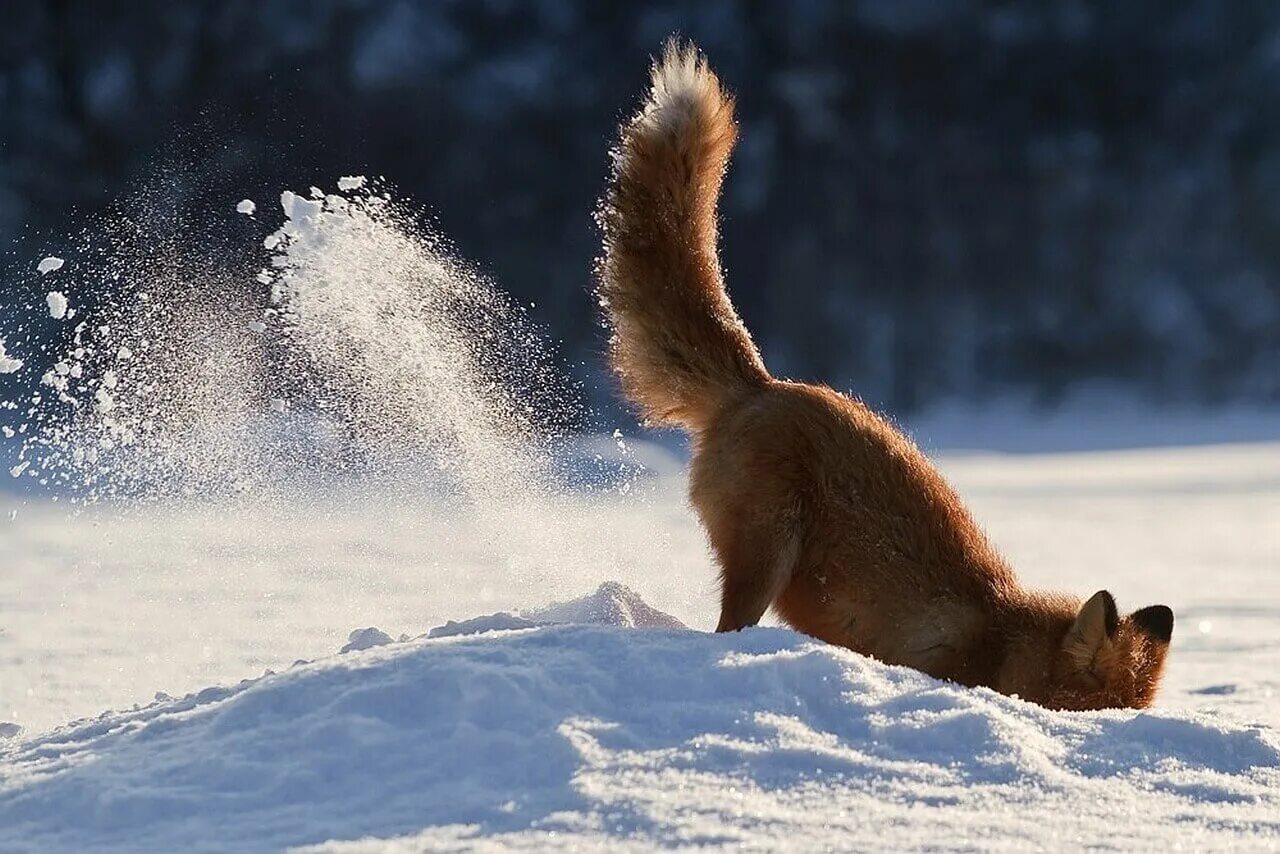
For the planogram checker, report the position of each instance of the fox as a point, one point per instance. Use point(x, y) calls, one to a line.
point(813, 504)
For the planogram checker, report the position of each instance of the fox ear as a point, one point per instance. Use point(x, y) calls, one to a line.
point(1156, 621)
point(1097, 622)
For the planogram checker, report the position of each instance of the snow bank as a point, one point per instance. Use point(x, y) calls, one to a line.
point(597, 736)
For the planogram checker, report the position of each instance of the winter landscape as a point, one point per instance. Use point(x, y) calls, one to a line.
point(314, 578)
point(321, 531)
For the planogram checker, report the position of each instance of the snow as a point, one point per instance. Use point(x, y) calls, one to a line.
point(504, 730)
point(8, 364)
point(405, 488)
point(246, 207)
point(598, 736)
point(57, 302)
point(351, 182)
point(49, 265)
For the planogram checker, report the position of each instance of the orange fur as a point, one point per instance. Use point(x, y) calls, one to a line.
point(814, 504)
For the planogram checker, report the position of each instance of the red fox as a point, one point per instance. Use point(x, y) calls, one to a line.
point(814, 504)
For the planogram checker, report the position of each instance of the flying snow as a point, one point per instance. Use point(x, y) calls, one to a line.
point(397, 361)
point(57, 302)
point(8, 364)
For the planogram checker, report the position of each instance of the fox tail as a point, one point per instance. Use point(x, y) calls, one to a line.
point(678, 346)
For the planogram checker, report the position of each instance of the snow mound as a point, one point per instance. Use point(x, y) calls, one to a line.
point(613, 604)
point(595, 737)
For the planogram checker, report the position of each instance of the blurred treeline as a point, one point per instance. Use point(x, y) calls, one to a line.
point(932, 198)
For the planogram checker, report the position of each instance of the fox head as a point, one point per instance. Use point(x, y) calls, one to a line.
point(1105, 661)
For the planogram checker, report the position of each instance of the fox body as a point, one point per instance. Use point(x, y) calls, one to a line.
point(815, 505)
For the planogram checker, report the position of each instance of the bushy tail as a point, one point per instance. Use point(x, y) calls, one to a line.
point(678, 346)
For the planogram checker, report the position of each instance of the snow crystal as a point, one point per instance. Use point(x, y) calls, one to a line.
point(49, 265)
point(57, 304)
point(246, 207)
point(351, 182)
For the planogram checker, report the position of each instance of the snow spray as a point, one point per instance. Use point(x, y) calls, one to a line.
point(352, 351)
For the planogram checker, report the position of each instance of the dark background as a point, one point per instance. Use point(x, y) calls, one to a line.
point(933, 198)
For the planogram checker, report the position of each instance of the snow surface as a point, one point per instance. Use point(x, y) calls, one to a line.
point(597, 736)
point(600, 736)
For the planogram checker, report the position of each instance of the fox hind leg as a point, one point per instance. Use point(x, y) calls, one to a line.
point(754, 571)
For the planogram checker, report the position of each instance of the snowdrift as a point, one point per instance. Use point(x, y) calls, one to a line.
point(613, 734)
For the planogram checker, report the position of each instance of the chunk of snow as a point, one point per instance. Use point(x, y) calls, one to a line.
point(277, 405)
point(17, 470)
point(8, 364)
point(9, 730)
point(57, 304)
point(351, 182)
point(365, 639)
point(246, 207)
point(500, 622)
point(104, 400)
point(49, 265)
